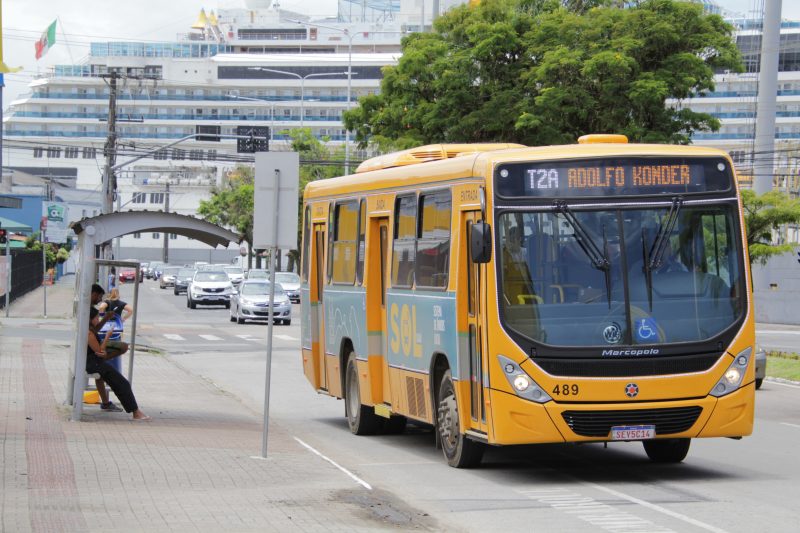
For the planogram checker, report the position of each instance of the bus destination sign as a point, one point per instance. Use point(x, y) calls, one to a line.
point(612, 177)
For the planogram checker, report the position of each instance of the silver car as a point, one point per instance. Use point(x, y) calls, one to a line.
point(209, 287)
point(290, 283)
point(761, 366)
point(167, 278)
point(252, 303)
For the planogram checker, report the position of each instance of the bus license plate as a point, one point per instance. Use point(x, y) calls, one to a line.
point(633, 432)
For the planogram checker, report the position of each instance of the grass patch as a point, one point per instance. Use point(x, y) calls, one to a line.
point(784, 366)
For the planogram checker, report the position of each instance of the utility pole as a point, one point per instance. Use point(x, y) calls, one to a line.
point(764, 157)
point(165, 254)
point(109, 183)
point(109, 179)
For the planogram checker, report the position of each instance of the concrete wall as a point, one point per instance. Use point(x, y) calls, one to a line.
point(182, 256)
point(776, 287)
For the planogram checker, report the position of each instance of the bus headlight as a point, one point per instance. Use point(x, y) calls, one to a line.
point(522, 383)
point(732, 378)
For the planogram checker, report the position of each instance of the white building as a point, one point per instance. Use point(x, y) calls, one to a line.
point(253, 66)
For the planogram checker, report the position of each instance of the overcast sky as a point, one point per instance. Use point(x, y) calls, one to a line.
point(97, 20)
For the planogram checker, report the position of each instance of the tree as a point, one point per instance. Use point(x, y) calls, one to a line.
point(543, 72)
point(764, 214)
point(231, 205)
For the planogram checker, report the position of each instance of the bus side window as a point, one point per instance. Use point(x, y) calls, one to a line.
point(404, 243)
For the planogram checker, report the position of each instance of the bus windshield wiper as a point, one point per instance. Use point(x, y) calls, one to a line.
point(598, 258)
point(653, 258)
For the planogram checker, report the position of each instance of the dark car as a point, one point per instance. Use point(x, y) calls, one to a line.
point(182, 279)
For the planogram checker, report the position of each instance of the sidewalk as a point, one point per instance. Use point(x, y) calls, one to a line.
point(189, 469)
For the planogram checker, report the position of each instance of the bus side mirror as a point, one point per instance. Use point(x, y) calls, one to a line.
point(481, 242)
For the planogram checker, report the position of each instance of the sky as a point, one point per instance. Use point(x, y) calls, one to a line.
point(82, 21)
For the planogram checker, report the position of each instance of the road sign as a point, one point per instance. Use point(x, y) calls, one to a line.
point(281, 170)
point(257, 139)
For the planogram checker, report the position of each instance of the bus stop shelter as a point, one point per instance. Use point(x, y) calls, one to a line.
point(94, 231)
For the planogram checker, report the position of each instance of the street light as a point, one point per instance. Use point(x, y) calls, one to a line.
point(302, 82)
point(350, 37)
point(271, 110)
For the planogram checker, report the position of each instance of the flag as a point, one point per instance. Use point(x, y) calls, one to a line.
point(47, 40)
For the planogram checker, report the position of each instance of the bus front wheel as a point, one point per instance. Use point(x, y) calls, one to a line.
point(361, 418)
point(667, 450)
point(459, 451)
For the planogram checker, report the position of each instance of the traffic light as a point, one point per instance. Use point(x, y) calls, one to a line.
point(3, 237)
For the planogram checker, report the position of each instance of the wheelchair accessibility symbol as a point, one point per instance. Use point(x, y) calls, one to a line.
point(646, 330)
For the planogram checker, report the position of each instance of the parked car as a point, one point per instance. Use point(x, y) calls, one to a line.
point(235, 273)
point(256, 273)
point(252, 303)
point(167, 277)
point(291, 285)
point(127, 274)
point(209, 287)
point(182, 279)
point(761, 365)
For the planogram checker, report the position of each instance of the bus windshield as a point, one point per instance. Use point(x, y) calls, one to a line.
point(621, 276)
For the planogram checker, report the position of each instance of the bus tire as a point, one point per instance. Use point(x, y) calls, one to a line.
point(667, 450)
point(459, 451)
point(361, 418)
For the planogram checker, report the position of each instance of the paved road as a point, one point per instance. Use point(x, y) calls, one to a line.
point(775, 337)
point(724, 485)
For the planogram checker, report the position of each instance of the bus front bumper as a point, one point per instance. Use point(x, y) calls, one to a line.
point(530, 423)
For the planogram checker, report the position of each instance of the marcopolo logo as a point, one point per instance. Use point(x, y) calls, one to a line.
point(634, 352)
point(55, 213)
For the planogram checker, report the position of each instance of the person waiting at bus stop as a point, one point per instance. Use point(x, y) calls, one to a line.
point(110, 349)
point(96, 363)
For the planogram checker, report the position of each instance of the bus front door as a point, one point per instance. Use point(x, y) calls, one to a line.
point(470, 355)
point(317, 279)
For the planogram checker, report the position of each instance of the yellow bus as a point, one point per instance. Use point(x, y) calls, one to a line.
point(505, 294)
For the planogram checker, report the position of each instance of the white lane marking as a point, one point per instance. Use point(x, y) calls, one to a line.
point(594, 512)
point(248, 337)
point(210, 337)
point(790, 424)
point(658, 508)
point(285, 337)
point(782, 384)
point(331, 461)
point(777, 332)
point(174, 337)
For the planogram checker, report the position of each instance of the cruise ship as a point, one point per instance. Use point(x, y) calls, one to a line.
point(254, 65)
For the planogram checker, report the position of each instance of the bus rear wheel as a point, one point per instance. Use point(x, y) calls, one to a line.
point(459, 451)
point(361, 418)
point(667, 450)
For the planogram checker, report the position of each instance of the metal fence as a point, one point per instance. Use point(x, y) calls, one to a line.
point(26, 273)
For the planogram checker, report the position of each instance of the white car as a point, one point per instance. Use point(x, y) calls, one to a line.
point(209, 287)
point(252, 303)
point(290, 283)
point(235, 273)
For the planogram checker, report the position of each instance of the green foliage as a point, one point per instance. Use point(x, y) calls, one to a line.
point(51, 251)
point(536, 72)
point(762, 215)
